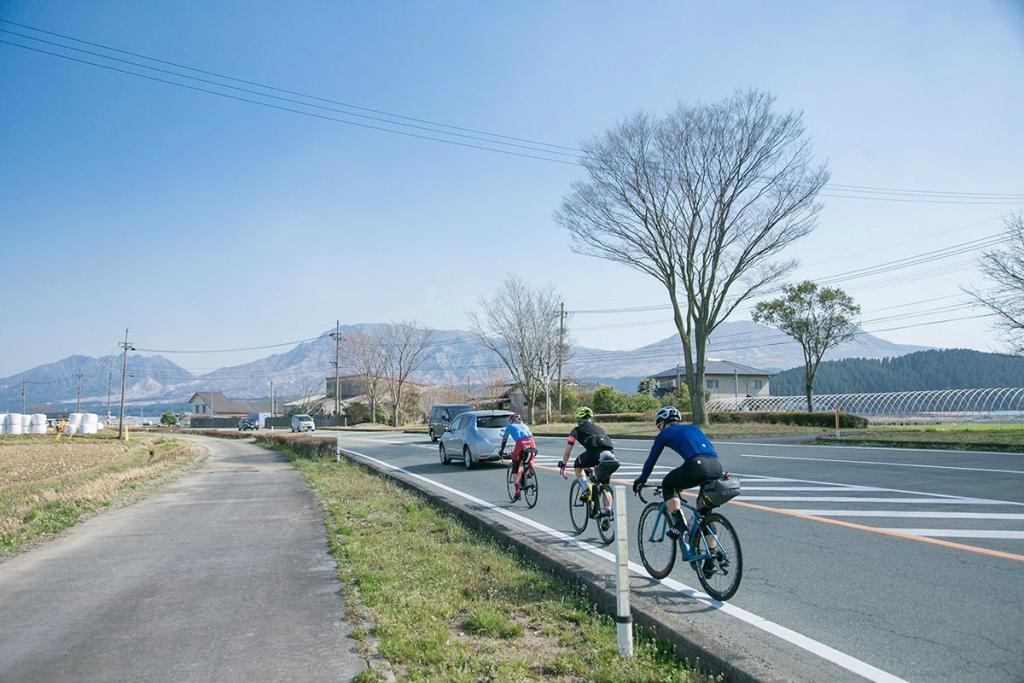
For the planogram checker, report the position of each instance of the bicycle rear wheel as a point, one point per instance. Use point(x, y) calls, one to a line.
point(530, 490)
point(657, 550)
point(720, 576)
point(510, 484)
point(605, 524)
point(579, 509)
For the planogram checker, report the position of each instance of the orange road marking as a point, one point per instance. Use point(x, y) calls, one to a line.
point(850, 525)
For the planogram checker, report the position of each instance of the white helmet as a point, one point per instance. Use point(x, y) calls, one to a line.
point(668, 414)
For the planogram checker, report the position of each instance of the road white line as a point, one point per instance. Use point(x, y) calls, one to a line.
point(918, 514)
point(854, 499)
point(964, 533)
point(888, 490)
point(810, 488)
point(810, 645)
point(882, 464)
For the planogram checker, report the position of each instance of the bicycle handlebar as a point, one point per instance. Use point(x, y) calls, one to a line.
point(640, 493)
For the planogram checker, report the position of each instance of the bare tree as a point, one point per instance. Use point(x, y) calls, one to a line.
point(363, 351)
point(702, 200)
point(818, 319)
point(404, 348)
point(1005, 268)
point(520, 326)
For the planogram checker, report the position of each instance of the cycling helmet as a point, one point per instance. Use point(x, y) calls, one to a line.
point(584, 413)
point(668, 414)
point(516, 417)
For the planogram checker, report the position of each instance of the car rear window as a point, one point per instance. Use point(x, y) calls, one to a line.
point(455, 411)
point(303, 417)
point(492, 421)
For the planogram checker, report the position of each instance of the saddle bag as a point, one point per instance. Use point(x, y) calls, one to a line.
point(606, 467)
point(718, 492)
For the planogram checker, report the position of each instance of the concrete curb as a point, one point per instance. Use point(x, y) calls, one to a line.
point(980, 447)
point(690, 645)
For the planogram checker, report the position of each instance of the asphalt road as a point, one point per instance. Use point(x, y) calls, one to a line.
point(908, 563)
point(223, 575)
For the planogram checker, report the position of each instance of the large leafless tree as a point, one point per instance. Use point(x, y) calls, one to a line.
point(520, 325)
point(1004, 267)
point(363, 352)
point(404, 348)
point(703, 200)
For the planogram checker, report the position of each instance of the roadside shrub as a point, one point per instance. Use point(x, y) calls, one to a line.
point(642, 403)
point(168, 419)
point(622, 417)
point(218, 434)
point(304, 445)
point(826, 420)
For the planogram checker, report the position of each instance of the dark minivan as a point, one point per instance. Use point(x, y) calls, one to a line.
point(441, 416)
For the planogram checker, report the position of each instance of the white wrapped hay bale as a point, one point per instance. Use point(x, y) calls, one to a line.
point(89, 424)
point(14, 423)
point(74, 422)
point(26, 423)
point(38, 423)
point(3, 423)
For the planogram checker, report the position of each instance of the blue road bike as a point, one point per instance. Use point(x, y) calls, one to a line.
point(710, 545)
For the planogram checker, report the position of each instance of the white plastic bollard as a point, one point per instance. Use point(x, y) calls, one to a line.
point(623, 618)
point(337, 452)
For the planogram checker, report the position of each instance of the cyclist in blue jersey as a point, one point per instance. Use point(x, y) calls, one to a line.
point(700, 462)
point(525, 447)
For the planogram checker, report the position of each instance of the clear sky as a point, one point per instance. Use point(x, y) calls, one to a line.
point(202, 222)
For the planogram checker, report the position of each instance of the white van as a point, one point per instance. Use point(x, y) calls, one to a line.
point(303, 423)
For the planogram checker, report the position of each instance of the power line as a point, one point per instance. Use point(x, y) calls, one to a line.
point(539, 148)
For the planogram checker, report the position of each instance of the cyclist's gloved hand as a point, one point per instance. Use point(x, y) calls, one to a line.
point(561, 469)
point(638, 484)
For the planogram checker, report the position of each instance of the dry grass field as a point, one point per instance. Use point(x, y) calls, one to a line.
point(47, 485)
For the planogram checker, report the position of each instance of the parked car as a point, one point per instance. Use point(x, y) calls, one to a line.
point(473, 437)
point(441, 415)
point(248, 422)
point(303, 423)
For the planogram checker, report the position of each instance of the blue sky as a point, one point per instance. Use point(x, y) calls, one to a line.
point(200, 222)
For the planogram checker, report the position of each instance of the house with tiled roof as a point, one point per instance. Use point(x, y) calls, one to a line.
point(722, 379)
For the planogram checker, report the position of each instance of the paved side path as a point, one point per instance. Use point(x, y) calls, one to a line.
point(222, 576)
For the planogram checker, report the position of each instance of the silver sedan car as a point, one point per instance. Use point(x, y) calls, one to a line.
point(473, 437)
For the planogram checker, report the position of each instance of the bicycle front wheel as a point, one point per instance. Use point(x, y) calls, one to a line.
point(510, 484)
point(719, 575)
point(530, 490)
point(606, 522)
point(579, 509)
point(657, 549)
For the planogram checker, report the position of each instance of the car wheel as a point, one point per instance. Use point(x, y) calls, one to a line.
point(467, 458)
point(433, 439)
point(443, 454)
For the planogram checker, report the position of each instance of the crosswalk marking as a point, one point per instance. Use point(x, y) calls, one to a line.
point(917, 514)
point(964, 533)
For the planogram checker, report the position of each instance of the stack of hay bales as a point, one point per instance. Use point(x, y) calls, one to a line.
point(13, 423)
point(89, 423)
point(38, 424)
point(74, 422)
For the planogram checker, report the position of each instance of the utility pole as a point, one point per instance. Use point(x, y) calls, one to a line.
point(125, 347)
point(23, 383)
point(271, 396)
point(561, 352)
point(78, 391)
point(337, 366)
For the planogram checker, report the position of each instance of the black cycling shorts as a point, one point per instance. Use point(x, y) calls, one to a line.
point(693, 472)
point(588, 459)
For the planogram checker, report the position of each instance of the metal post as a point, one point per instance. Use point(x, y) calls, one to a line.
point(124, 374)
point(78, 391)
point(837, 419)
point(561, 355)
point(23, 383)
point(623, 618)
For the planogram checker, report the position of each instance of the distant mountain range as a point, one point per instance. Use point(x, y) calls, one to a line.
point(454, 358)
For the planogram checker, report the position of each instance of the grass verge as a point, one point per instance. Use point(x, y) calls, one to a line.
point(47, 486)
point(954, 437)
point(450, 604)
